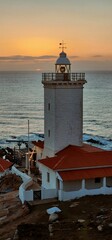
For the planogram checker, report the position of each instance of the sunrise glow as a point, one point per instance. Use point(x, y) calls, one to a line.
point(35, 28)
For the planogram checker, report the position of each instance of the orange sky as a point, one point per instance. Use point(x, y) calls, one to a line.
point(34, 28)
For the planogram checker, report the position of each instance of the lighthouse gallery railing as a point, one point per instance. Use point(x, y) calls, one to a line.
point(63, 76)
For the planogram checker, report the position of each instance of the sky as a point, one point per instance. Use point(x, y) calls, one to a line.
point(31, 30)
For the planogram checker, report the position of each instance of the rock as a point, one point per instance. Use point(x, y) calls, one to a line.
point(91, 140)
point(84, 212)
point(51, 234)
point(4, 212)
point(50, 228)
point(74, 204)
point(110, 225)
point(53, 217)
point(3, 218)
point(81, 220)
point(16, 237)
point(53, 210)
point(100, 228)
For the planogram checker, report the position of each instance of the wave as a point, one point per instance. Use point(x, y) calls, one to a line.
point(98, 141)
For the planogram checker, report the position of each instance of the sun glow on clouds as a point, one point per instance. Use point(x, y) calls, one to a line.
point(32, 30)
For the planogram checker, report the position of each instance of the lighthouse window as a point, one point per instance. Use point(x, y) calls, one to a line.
point(49, 106)
point(48, 133)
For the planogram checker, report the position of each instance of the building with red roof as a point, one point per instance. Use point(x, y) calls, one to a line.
point(70, 169)
point(77, 171)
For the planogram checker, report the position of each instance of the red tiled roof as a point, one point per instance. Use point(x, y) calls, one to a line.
point(74, 157)
point(85, 174)
point(4, 164)
point(39, 144)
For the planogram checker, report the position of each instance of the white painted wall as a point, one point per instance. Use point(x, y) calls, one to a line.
point(48, 193)
point(65, 117)
point(64, 196)
point(52, 183)
point(48, 189)
point(71, 190)
point(24, 195)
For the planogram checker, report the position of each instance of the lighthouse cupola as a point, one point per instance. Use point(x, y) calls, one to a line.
point(62, 64)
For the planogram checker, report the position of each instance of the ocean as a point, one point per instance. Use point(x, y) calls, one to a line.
point(22, 100)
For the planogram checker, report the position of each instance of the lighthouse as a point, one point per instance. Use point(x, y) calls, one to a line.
point(63, 106)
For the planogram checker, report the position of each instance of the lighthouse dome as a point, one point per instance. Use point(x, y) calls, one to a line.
point(62, 60)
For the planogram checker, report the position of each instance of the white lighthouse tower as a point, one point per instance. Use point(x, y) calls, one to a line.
point(63, 106)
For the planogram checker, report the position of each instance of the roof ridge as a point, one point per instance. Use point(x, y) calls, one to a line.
point(58, 162)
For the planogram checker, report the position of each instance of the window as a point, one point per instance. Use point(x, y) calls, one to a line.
point(49, 106)
point(97, 180)
point(48, 177)
point(48, 133)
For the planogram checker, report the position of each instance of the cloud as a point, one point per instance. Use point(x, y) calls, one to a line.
point(97, 56)
point(20, 58)
point(72, 57)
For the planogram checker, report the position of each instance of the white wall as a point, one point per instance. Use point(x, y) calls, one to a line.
point(24, 195)
point(48, 193)
point(52, 183)
point(64, 196)
point(48, 189)
point(64, 119)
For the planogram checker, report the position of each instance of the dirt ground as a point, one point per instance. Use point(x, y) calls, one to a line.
point(82, 219)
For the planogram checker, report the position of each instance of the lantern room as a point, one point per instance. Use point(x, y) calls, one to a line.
point(62, 64)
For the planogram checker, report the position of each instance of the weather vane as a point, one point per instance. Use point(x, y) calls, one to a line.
point(62, 45)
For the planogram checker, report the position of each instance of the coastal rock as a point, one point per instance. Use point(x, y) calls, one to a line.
point(50, 228)
point(16, 237)
point(10, 182)
point(3, 218)
point(75, 204)
point(81, 220)
point(91, 140)
point(100, 228)
point(110, 225)
point(53, 210)
point(53, 217)
point(4, 212)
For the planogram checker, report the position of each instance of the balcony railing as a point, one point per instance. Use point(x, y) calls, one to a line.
point(63, 76)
